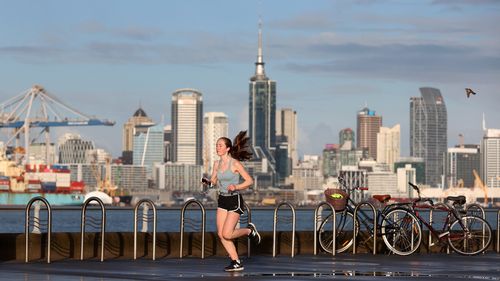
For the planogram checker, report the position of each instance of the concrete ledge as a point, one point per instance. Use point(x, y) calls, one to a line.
point(121, 245)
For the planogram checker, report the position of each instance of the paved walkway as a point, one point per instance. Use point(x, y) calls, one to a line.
point(302, 267)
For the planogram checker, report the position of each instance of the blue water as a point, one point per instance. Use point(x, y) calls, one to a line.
point(122, 219)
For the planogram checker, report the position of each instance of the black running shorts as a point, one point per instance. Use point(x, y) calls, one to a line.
point(232, 203)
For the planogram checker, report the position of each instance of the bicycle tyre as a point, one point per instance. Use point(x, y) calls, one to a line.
point(401, 231)
point(476, 241)
point(344, 228)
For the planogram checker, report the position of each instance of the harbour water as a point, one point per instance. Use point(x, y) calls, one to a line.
point(119, 219)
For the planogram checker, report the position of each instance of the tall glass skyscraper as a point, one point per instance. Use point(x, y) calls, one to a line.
point(429, 133)
point(368, 127)
point(262, 105)
point(187, 126)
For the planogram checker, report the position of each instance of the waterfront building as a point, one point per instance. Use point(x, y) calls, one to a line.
point(37, 154)
point(354, 177)
point(179, 177)
point(429, 133)
point(307, 174)
point(382, 183)
point(416, 163)
point(167, 143)
point(461, 161)
point(331, 160)
point(98, 155)
point(388, 145)
point(368, 126)
point(215, 125)
point(405, 175)
point(73, 149)
point(187, 126)
point(138, 123)
point(148, 148)
point(128, 178)
point(286, 128)
point(490, 158)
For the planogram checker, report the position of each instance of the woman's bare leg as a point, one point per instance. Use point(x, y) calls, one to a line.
point(226, 223)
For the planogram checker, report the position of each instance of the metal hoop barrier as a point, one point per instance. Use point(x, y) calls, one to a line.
point(476, 206)
point(145, 218)
point(293, 227)
point(334, 223)
point(443, 207)
point(203, 226)
point(83, 222)
point(37, 223)
point(249, 216)
point(356, 223)
point(498, 231)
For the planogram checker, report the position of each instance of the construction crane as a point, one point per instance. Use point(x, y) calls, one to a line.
point(36, 108)
point(479, 183)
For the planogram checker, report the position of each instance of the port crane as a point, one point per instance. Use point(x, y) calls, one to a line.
point(479, 183)
point(37, 108)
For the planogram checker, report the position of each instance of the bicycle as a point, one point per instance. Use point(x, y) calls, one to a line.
point(465, 234)
point(391, 229)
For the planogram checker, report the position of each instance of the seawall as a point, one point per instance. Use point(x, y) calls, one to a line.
point(121, 245)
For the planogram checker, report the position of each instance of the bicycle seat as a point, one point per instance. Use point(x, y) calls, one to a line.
point(382, 198)
point(457, 199)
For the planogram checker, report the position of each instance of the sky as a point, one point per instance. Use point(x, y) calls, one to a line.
point(329, 59)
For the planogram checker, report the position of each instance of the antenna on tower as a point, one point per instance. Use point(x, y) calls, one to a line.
point(461, 140)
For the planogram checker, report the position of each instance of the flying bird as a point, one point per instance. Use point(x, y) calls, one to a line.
point(469, 91)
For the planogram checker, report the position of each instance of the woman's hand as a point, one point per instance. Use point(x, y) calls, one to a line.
point(232, 188)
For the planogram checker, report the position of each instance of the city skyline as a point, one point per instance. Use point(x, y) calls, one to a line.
point(329, 59)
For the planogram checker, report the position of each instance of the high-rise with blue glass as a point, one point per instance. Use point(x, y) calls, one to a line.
point(262, 105)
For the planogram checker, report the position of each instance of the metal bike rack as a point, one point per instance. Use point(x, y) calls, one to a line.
point(356, 223)
point(249, 220)
point(83, 222)
point(37, 222)
point(476, 206)
point(431, 221)
point(293, 226)
point(334, 223)
point(498, 231)
point(203, 226)
point(145, 202)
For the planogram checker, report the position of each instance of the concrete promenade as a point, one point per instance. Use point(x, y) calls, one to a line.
point(265, 267)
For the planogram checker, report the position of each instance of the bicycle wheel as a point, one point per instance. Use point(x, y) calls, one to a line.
point(401, 231)
point(470, 237)
point(344, 228)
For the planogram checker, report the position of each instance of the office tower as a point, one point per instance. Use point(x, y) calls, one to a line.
point(215, 125)
point(179, 177)
point(388, 145)
point(416, 163)
point(148, 148)
point(138, 123)
point(346, 135)
point(428, 133)
point(286, 126)
point(461, 161)
point(368, 126)
point(331, 160)
point(167, 143)
point(262, 105)
point(187, 126)
point(490, 158)
point(73, 149)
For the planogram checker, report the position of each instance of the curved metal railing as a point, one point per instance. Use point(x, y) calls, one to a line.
point(437, 206)
point(317, 218)
point(275, 221)
point(37, 223)
point(145, 220)
point(203, 225)
point(355, 233)
point(247, 219)
point(83, 222)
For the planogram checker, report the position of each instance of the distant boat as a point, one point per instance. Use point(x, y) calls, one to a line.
point(104, 197)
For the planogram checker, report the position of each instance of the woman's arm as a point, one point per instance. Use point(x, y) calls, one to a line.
point(213, 177)
point(247, 179)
